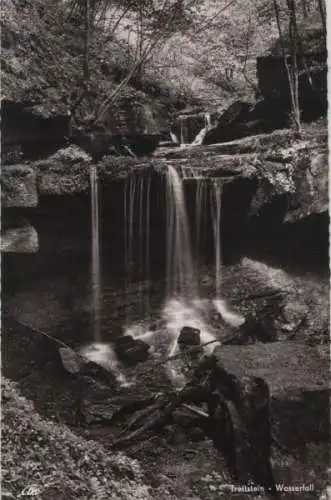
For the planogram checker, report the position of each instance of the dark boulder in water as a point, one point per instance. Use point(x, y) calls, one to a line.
point(189, 337)
point(131, 351)
point(227, 127)
point(242, 119)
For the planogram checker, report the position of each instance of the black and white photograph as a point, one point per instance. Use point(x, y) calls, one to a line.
point(165, 272)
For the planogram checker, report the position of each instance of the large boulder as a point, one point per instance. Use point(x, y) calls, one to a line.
point(243, 119)
point(20, 240)
point(34, 134)
point(130, 350)
point(272, 74)
point(189, 337)
point(311, 180)
point(228, 125)
point(19, 186)
point(298, 174)
point(297, 376)
point(65, 172)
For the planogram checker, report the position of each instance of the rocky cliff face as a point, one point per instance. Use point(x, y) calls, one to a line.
point(280, 178)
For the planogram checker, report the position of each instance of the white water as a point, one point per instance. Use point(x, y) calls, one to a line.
point(95, 274)
point(104, 355)
point(181, 279)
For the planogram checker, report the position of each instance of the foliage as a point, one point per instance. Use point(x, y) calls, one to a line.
point(178, 52)
point(42, 62)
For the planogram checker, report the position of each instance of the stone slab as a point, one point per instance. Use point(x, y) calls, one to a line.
point(19, 240)
point(288, 366)
point(19, 186)
point(298, 379)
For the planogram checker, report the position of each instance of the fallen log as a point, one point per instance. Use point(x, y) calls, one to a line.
point(238, 414)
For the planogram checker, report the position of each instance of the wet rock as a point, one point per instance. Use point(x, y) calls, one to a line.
point(123, 342)
point(19, 186)
point(228, 125)
point(20, 240)
point(310, 178)
point(96, 372)
point(189, 337)
point(130, 350)
point(259, 329)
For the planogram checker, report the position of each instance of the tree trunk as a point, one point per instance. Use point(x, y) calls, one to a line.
point(291, 69)
point(323, 15)
point(294, 85)
point(304, 9)
point(86, 69)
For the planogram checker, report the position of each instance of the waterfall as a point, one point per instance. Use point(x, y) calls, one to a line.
point(137, 239)
point(185, 249)
point(147, 239)
point(95, 275)
point(180, 271)
point(216, 212)
point(208, 120)
point(200, 218)
point(220, 304)
point(182, 131)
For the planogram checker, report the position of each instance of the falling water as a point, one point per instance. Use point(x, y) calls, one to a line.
point(184, 304)
point(220, 304)
point(182, 130)
point(200, 218)
point(96, 277)
point(208, 120)
point(147, 239)
point(136, 239)
point(216, 208)
point(180, 270)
